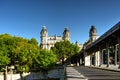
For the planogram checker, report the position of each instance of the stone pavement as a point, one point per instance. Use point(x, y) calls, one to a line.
point(111, 68)
point(78, 73)
point(73, 74)
point(92, 73)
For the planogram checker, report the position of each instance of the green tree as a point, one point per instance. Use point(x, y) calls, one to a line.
point(64, 50)
point(17, 51)
point(28, 50)
point(4, 53)
point(46, 58)
point(23, 54)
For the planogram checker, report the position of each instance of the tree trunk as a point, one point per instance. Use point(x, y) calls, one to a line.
point(22, 76)
point(62, 61)
point(45, 73)
point(5, 73)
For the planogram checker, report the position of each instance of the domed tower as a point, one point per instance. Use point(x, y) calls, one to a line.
point(44, 32)
point(44, 36)
point(93, 34)
point(66, 34)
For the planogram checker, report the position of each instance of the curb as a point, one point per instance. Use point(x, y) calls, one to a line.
point(104, 68)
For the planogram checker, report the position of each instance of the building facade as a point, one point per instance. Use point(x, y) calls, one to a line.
point(103, 51)
point(48, 41)
point(93, 36)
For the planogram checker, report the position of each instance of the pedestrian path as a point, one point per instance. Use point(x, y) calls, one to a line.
point(92, 73)
point(73, 74)
point(106, 68)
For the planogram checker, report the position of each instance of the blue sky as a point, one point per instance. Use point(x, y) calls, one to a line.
point(25, 18)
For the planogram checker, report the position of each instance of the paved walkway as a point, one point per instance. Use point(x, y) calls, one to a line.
point(111, 68)
point(98, 74)
point(73, 74)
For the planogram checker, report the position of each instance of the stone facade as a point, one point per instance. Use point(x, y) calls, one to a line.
point(103, 51)
point(90, 59)
point(57, 73)
point(92, 36)
point(48, 41)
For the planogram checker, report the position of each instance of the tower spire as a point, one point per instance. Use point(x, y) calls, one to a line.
point(93, 33)
point(66, 34)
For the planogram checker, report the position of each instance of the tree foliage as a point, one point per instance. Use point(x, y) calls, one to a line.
point(13, 49)
point(4, 50)
point(23, 53)
point(46, 58)
point(65, 49)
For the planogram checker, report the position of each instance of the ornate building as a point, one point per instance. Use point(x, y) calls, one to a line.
point(48, 41)
point(103, 51)
point(92, 36)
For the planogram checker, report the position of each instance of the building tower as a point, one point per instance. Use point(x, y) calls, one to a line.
point(93, 34)
point(44, 35)
point(48, 41)
point(66, 34)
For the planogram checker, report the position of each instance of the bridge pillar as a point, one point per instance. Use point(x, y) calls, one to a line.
point(97, 58)
point(94, 58)
point(101, 57)
point(90, 60)
point(119, 50)
point(107, 51)
point(115, 52)
point(87, 59)
point(80, 61)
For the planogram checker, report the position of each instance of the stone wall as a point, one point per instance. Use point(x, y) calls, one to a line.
point(54, 73)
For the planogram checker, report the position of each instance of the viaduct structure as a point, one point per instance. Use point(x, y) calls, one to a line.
point(103, 51)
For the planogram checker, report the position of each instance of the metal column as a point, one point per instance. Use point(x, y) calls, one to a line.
point(119, 51)
point(107, 51)
point(101, 57)
point(115, 51)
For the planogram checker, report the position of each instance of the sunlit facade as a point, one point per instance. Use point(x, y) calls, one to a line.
point(48, 41)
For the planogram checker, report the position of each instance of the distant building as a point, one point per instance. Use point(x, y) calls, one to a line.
point(92, 36)
point(79, 45)
point(48, 41)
